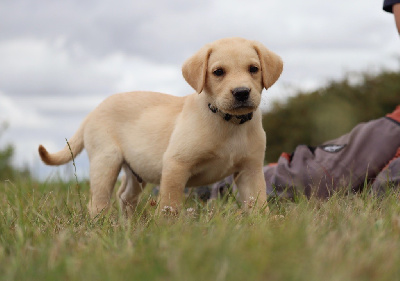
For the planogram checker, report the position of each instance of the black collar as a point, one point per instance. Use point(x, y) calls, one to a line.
point(235, 119)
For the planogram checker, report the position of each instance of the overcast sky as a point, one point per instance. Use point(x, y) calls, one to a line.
point(59, 59)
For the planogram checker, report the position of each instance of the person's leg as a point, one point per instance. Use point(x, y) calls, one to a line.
point(389, 177)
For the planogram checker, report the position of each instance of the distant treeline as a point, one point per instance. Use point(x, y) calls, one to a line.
point(315, 117)
point(7, 170)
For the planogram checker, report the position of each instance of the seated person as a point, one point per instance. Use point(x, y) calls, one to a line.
point(369, 153)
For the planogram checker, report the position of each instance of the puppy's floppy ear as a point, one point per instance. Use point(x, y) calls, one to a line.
point(194, 69)
point(271, 64)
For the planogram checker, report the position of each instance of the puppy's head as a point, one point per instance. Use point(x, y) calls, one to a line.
point(232, 73)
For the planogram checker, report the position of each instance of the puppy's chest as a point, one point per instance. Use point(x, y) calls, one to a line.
point(224, 161)
point(232, 153)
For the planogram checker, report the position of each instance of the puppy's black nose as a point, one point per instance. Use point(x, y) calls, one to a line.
point(241, 93)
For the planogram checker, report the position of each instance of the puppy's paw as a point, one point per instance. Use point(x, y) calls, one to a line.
point(253, 203)
point(169, 211)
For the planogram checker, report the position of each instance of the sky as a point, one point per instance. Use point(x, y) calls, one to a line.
point(60, 59)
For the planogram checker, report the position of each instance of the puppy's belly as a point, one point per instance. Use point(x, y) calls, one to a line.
point(147, 165)
point(149, 168)
point(209, 173)
point(150, 171)
point(205, 179)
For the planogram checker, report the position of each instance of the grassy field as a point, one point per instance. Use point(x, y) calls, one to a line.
point(45, 234)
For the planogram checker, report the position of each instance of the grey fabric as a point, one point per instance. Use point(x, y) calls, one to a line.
point(220, 189)
point(365, 151)
point(388, 178)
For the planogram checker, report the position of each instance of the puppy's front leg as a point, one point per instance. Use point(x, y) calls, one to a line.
point(252, 188)
point(173, 180)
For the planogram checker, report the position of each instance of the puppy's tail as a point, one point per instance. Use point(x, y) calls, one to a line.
point(71, 150)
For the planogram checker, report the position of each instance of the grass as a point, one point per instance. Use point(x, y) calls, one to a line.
point(45, 235)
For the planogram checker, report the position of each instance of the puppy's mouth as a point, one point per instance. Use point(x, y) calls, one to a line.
point(239, 108)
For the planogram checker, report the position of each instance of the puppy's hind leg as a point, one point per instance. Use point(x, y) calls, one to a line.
point(129, 191)
point(104, 170)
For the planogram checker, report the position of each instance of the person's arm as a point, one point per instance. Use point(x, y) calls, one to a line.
point(396, 12)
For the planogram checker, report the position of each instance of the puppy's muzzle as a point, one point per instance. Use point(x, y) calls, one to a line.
point(241, 93)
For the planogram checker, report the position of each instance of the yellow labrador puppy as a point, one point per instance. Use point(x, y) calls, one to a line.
point(182, 141)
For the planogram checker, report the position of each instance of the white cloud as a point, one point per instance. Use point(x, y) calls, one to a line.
point(38, 67)
point(136, 73)
point(19, 115)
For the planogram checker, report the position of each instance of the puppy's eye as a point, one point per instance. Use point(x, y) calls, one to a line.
point(219, 72)
point(253, 69)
